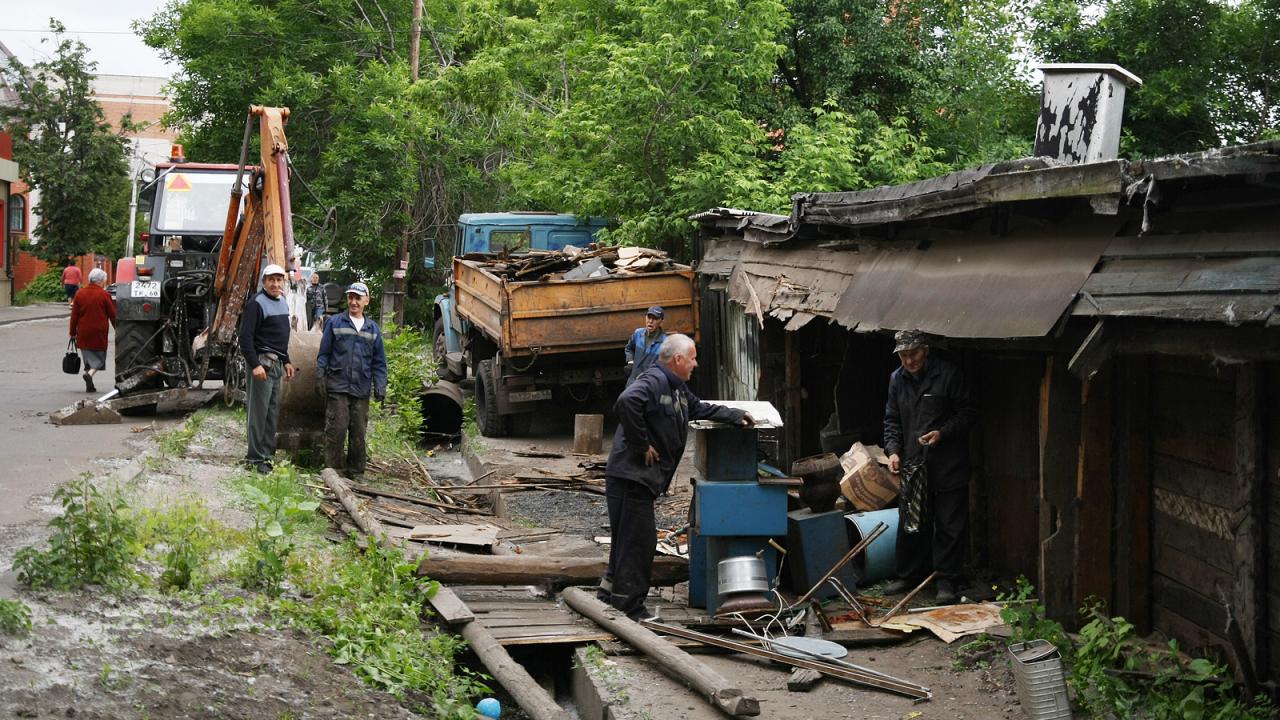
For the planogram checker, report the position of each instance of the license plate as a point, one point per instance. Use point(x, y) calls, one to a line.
point(529, 395)
point(145, 289)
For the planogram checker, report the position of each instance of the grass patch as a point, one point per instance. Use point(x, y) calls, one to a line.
point(176, 442)
point(184, 540)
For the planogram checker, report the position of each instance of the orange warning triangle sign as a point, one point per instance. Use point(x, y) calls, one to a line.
point(178, 183)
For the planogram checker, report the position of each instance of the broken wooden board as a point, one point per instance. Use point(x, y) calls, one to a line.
point(950, 623)
point(537, 570)
point(473, 535)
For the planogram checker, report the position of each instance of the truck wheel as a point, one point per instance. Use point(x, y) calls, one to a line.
point(438, 349)
point(133, 349)
point(491, 423)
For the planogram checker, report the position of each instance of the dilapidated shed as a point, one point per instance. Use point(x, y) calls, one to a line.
point(1120, 319)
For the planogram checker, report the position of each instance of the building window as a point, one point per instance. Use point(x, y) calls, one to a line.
point(17, 213)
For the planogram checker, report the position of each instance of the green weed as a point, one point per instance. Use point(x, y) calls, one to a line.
point(94, 543)
point(282, 507)
point(186, 538)
point(399, 420)
point(46, 287)
point(15, 618)
point(1116, 674)
point(176, 442)
point(975, 654)
point(1025, 616)
point(369, 604)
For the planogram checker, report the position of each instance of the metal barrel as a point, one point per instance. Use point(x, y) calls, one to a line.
point(441, 409)
point(879, 561)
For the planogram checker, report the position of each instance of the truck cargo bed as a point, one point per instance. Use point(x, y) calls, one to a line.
point(567, 316)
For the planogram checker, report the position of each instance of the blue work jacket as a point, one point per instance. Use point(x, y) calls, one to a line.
point(644, 356)
point(350, 361)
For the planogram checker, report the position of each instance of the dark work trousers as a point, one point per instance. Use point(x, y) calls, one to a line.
point(311, 316)
point(633, 540)
point(941, 541)
point(345, 418)
point(263, 405)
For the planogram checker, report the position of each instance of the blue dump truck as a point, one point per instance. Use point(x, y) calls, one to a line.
point(538, 313)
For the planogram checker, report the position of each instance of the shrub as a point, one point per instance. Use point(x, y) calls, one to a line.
point(94, 543)
point(15, 618)
point(46, 287)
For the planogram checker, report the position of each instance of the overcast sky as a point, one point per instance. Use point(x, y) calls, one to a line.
point(102, 25)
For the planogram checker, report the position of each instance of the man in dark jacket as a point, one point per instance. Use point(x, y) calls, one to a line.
point(264, 341)
point(351, 366)
point(653, 426)
point(926, 422)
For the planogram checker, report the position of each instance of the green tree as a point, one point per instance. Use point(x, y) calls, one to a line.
point(1209, 67)
point(66, 150)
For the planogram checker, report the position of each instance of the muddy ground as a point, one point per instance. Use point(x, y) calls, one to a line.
point(145, 655)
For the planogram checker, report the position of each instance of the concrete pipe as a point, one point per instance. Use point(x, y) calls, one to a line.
point(301, 404)
point(441, 410)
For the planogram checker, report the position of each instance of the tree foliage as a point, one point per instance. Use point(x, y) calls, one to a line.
point(65, 149)
point(1209, 67)
point(645, 111)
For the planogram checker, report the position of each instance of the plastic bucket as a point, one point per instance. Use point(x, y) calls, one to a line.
point(879, 561)
point(1038, 675)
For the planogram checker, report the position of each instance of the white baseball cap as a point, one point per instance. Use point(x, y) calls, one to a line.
point(272, 269)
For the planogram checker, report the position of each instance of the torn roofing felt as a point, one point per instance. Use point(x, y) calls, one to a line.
point(974, 284)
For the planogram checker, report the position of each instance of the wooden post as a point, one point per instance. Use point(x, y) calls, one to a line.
point(537, 570)
point(1059, 458)
point(1133, 496)
point(793, 422)
point(1248, 596)
point(1096, 491)
point(588, 434)
point(676, 662)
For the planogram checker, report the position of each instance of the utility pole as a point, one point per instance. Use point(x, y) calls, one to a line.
point(395, 300)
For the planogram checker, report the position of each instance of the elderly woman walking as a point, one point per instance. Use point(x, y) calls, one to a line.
point(92, 311)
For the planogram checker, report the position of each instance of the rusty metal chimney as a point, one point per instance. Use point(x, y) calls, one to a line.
point(1080, 111)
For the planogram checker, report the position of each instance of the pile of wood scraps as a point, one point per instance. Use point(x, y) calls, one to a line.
point(535, 479)
point(573, 263)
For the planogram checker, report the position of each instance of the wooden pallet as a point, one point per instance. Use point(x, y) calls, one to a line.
point(517, 616)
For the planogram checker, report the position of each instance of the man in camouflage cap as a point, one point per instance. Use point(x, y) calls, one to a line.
point(927, 419)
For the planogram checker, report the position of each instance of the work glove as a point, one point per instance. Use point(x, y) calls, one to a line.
point(321, 386)
point(381, 397)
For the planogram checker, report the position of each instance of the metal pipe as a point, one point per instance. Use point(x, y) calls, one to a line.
point(894, 610)
point(870, 537)
point(826, 658)
point(901, 687)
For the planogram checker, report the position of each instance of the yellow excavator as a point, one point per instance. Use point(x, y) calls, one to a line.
point(178, 302)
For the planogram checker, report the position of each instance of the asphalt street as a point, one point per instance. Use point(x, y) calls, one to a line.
point(36, 456)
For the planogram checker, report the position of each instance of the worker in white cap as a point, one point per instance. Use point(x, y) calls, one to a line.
point(264, 340)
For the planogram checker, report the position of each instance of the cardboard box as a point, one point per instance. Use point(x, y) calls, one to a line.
point(867, 483)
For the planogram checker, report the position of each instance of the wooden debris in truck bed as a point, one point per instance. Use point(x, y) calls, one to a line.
point(573, 263)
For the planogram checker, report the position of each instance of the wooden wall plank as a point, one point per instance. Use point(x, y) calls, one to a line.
point(1133, 493)
point(1190, 571)
point(1009, 462)
point(1194, 541)
point(1248, 595)
point(1096, 490)
point(1202, 483)
point(1176, 439)
point(1203, 611)
point(1059, 458)
point(1192, 637)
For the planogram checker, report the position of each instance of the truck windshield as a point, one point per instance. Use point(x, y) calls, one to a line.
point(192, 202)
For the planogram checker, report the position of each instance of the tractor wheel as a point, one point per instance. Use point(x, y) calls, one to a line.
point(438, 349)
point(491, 423)
point(135, 348)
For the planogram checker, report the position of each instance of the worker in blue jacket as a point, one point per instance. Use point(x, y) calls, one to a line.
point(642, 348)
point(351, 366)
point(653, 427)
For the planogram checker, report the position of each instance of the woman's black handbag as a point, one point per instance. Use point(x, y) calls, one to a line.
point(71, 361)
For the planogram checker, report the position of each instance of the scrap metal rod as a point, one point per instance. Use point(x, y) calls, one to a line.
point(911, 690)
point(769, 642)
point(876, 532)
point(894, 610)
